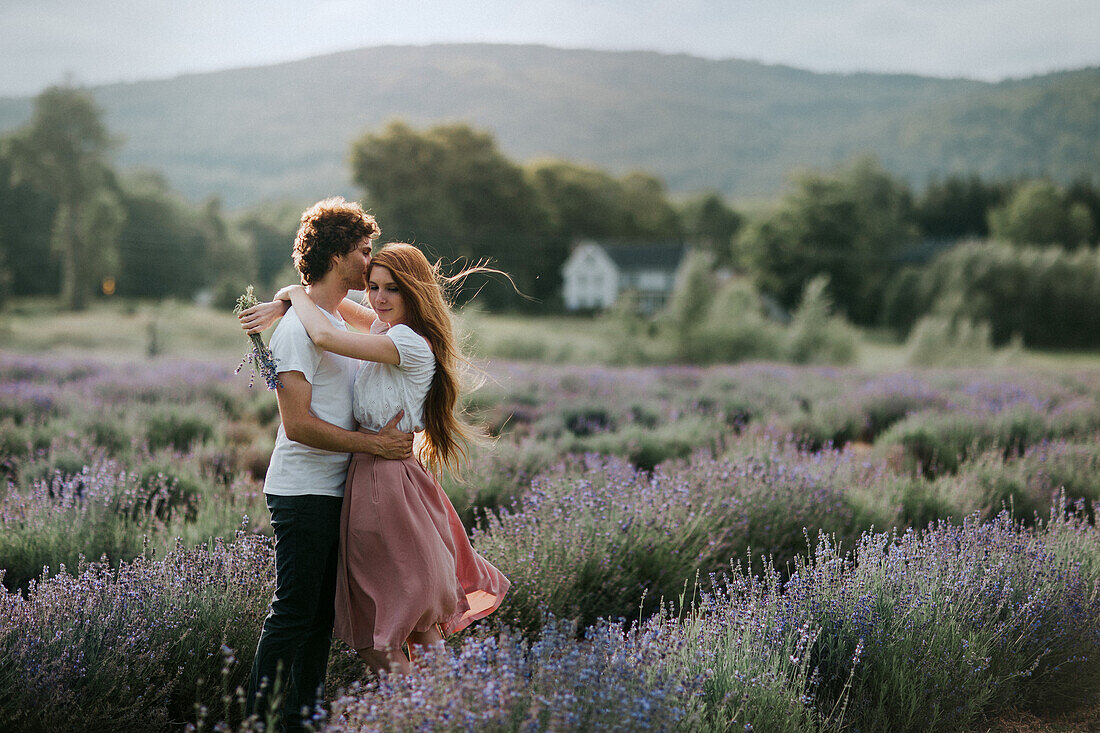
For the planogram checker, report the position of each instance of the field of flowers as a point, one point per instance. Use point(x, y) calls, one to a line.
point(754, 547)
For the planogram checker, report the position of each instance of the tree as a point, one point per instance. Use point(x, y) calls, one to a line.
point(1085, 193)
point(580, 201)
point(1039, 212)
point(63, 150)
point(850, 225)
point(26, 216)
point(447, 179)
point(452, 192)
point(163, 246)
point(707, 219)
point(270, 231)
point(230, 263)
point(958, 206)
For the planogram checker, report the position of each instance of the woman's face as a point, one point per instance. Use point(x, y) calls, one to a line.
point(385, 297)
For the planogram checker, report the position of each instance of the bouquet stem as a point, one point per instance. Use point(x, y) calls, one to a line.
point(259, 357)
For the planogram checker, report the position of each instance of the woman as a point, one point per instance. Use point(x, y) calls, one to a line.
point(407, 571)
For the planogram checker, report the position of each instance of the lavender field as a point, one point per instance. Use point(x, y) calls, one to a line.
point(753, 548)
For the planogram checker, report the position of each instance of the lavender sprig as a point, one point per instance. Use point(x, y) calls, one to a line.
point(260, 357)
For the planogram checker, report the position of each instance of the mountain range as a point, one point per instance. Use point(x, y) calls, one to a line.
point(738, 127)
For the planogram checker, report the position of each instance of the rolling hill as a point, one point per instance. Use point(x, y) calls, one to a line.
point(284, 131)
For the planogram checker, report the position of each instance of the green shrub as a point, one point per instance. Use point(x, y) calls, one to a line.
point(938, 443)
point(167, 489)
point(109, 434)
point(815, 334)
point(1046, 296)
point(733, 330)
point(647, 447)
point(177, 430)
point(947, 342)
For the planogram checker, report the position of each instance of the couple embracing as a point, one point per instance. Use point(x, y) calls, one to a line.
point(372, 546)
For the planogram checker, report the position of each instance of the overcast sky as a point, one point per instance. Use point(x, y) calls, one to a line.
point(98, 41)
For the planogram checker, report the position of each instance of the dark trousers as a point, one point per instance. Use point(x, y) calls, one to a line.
point(292, 655)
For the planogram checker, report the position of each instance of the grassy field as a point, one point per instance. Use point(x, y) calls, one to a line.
point(757, 546)
point(127, 330)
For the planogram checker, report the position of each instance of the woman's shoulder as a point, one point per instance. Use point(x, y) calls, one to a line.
point(414, 349)
point(405, 334)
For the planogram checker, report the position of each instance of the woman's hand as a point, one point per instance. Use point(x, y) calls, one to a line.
point(284, 293)
point(259, 317)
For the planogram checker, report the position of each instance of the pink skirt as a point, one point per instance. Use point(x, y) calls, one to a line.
point(406, 563)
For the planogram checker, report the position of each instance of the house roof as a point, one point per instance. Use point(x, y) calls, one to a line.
point(637, 255)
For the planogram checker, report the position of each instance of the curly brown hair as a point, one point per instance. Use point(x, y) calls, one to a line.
point(328, 229)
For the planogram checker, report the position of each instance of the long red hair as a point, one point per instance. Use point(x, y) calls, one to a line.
point(427, 312)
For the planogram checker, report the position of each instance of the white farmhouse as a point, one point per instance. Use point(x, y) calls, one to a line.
point(597, 273)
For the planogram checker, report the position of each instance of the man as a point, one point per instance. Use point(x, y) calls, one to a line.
point(304, 485)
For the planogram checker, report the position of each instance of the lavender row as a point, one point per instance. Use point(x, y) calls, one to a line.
point(908, 631)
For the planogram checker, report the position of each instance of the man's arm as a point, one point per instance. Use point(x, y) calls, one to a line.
point(302, 426)
point(356, 315)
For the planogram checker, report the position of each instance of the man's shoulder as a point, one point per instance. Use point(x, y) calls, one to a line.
point(289, 324)
point(290, 331)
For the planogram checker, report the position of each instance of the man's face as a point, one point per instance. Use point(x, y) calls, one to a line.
point(352, 266)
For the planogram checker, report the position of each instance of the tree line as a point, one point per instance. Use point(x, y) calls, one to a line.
point(75, 227)
point(72, 225)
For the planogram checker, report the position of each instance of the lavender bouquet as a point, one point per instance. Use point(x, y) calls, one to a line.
point(260, 357)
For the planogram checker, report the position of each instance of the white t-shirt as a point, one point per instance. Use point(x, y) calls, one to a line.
point(298, 469)
point(383, 389)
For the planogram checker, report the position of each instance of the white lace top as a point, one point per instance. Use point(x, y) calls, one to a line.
point(383, 389)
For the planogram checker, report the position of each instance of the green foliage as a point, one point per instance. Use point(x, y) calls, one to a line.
point(178, 429)
point(904, 300)
point(450, 189)
point(734, 329)
point(943, 341)
point(1040, 213)
point(448, 178)
point(163, 247)
point(1047, 296)
point(230, 256)
point(270, 231)
point(581, 201)
point(64, 150)
point(26, 216)
point(137, 233)
point(849, 225)
point(716, 323)
point(706, 218)
point(938, 443)
point(713, 323)
point(693, 294)
point(1084, 192)
point(453, 192)
point(816, 335)
point(958, 206)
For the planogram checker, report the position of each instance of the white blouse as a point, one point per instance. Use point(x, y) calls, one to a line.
point(383, 389)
